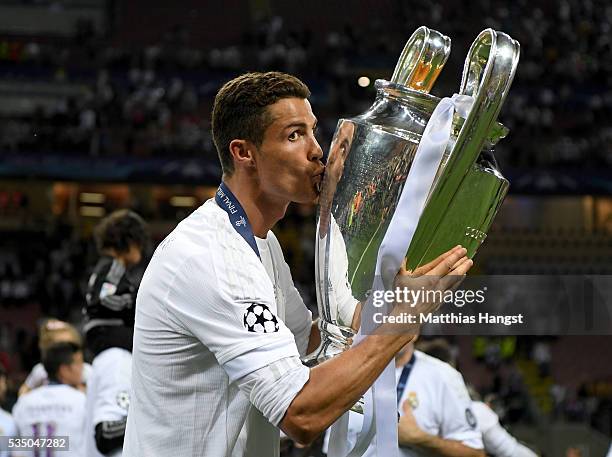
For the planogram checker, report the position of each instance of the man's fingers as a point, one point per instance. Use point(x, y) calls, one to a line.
point(456, 276)
point(462, 267)
point(444, 267)
point(406, 407)
point(429, 266)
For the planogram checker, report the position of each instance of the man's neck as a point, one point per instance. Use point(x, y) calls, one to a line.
point(404, 357)
point(262, 212)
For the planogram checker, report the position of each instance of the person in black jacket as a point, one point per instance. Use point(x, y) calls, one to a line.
point(109, 311)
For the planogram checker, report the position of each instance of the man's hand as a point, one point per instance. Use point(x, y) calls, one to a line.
point(443, 273)
point(410, 435)
point(421, 291)
point(408, 430)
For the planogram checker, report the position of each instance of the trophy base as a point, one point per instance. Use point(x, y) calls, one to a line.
point(334, 341)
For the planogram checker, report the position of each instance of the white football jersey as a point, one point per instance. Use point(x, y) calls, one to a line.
point(38, 376)
point(51, 411)
point(7, 428)
point(209, 313)
point(108, 393)
point(440, 403)
point(497, 441)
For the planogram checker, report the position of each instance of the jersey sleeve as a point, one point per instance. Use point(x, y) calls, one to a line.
point(272, 388)
point(112, 378)
point(458, 421)
point(37, 377)
point(227, 303)
point(110, 292)
point(497, 441)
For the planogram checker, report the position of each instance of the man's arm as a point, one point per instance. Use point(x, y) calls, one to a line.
point(335, 385)
point(410, 435)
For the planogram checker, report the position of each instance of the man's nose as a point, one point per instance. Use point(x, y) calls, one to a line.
point(316, 153)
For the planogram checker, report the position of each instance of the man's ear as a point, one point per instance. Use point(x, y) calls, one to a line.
point(62, 372)
point(242, 153)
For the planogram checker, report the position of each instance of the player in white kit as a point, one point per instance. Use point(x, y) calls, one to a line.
point(219, 326)
point(53, 331)
point(58, 408)
point(435, 409)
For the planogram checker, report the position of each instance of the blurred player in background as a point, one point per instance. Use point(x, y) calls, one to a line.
point(121, 239)
point(7, 424)
point(58, 408)
point(53, 331)
point(496, 439)
point(435, 409)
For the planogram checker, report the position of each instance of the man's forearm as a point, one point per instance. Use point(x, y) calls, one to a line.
point(336, 385)
point(444, 448)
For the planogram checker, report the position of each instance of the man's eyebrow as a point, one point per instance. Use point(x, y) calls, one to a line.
point(300, 124)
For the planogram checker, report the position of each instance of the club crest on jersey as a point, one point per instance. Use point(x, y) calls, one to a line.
point(412, 400)
point(259, 319)
point(123, 400)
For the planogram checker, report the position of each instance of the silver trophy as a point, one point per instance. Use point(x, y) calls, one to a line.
point(370, 158)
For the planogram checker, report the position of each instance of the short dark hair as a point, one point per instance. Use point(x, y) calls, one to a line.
point(440, 349)
point(121, 229)
point(57, 355)
point(239, 110)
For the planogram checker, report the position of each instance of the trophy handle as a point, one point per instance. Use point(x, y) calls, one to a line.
point(487, 75)
point(422, 59)
point(488, 72)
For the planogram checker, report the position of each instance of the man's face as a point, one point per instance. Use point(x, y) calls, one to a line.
point(133, 256)
point(288, 161)
point(72, 374)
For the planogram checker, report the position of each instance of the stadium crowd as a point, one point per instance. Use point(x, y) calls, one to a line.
point(155, 100)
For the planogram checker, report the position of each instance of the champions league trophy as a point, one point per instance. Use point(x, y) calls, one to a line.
point(411, 177)
point(373, 158)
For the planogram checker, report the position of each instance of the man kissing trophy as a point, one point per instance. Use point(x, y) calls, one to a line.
point(410, 178)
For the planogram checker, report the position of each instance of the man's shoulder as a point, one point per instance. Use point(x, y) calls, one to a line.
point(64, 391)
point(443, 375)
point(207, 230)
point(434, 364)
point(110, 357)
